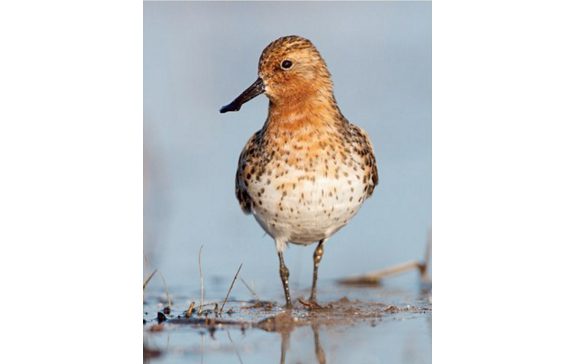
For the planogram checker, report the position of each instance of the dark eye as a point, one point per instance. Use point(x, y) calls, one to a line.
point(286, 64)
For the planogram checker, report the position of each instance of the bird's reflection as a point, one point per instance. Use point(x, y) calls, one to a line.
point(319, 352)
point(285, 345)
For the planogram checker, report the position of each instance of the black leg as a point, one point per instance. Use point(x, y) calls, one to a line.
point(317, 255)
point(284, 275)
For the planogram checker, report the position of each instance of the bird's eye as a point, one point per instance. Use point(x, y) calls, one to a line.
point(286, 64)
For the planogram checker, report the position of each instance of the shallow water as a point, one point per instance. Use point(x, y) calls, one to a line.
point(386, 324)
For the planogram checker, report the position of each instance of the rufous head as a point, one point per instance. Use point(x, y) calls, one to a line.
point(290, 70)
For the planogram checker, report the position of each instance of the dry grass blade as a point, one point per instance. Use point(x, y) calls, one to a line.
point(230, 289)
point(373, 278)
point(149, 278)
point(166, 289)
point(190, 310)
point(424, 269)
point(252, 291)
point(201, 281)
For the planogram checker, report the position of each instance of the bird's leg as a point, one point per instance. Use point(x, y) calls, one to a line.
point(284, 275)
point(317, 255)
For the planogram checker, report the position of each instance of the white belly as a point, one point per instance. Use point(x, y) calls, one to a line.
point(315, 209)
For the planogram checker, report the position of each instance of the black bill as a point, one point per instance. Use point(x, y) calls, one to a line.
point(254, 90)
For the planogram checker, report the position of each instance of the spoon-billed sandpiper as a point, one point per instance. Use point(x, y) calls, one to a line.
point(306, 173)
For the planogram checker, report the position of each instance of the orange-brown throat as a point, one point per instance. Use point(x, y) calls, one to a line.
point(305, 111)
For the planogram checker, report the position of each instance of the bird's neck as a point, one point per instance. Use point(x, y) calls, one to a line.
point(302, 113)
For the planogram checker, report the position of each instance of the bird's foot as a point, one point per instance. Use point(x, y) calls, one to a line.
point(311, 304)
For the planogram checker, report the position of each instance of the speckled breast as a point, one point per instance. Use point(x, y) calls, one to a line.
point(307, 194)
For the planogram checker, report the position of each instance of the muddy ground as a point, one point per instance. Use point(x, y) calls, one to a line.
point(376, 324)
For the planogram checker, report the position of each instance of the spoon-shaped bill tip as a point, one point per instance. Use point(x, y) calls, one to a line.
point(254, 90)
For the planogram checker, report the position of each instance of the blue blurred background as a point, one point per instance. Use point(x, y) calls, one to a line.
point(198, 56)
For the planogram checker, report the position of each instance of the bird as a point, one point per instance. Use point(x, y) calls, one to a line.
point(308, 170)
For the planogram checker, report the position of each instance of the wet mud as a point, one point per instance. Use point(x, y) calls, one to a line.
point(245, 319)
